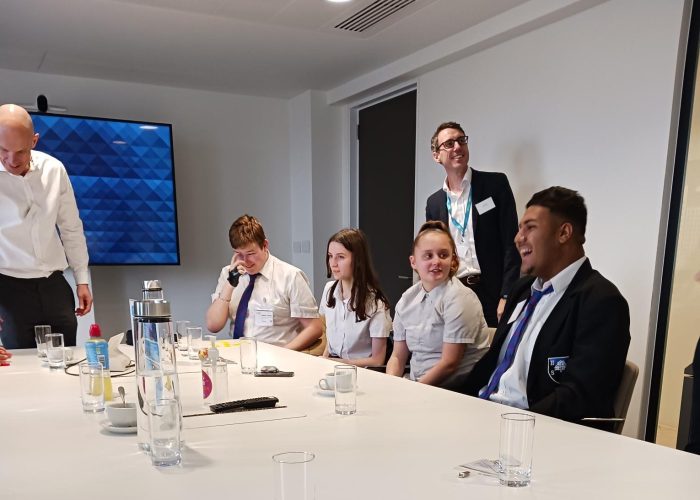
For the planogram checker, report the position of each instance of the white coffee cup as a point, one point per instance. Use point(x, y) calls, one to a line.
point(122, 414)
point(327, 383)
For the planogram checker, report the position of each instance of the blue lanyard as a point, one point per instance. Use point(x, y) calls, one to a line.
point(460, 227)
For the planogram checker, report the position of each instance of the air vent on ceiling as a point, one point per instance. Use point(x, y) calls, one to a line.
point(372, 14)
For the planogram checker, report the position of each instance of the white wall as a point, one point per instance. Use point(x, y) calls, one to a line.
point(584, 103)
point(316, 185)
point(231, 157)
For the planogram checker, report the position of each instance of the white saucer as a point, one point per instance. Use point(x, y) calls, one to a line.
point(118, 430)
point(324, 392)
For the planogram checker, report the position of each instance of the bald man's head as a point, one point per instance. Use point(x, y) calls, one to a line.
point(17, 138)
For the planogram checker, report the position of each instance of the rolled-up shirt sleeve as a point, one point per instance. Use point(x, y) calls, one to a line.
point(302, 303)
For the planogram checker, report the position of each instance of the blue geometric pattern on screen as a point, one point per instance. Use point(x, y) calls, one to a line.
point(122, 175)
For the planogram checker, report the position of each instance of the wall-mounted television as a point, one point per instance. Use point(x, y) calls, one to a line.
point(124, 181)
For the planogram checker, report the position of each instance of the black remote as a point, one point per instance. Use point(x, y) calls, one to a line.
point(245, 404)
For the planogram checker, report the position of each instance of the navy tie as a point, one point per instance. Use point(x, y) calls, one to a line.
point(514, 342)
point(242, 310)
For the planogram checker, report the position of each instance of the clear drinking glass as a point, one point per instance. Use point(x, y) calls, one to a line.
point(515, 450)
point(55, 354)
point(40, 332)
point(92, 391)
point(294, 479)
point(249, 355)
point(345, 389)
point(194, 341)
point(164, 420)
point(181, 330)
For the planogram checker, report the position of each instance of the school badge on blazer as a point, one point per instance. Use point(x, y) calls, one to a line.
point(556, 366)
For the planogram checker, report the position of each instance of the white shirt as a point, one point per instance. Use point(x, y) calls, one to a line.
point(448, 313)
point(33, 207)
point(281, 289)
point(466, 249)
point(347, 337)
point(512, 388)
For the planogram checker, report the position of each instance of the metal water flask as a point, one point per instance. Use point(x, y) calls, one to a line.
point(155, 356)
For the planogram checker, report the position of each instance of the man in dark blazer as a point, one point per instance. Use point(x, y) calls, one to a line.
point(481, 215)
point(567, 357)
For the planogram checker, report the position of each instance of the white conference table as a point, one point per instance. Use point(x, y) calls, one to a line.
point(404, 442)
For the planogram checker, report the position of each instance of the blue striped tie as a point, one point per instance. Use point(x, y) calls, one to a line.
point(242, 310)
point(514, 342)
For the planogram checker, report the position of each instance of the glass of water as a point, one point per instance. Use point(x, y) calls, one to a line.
point(515, 449)
point(181, 329)
point(345, 389)
point(92, 387)
point(164, 420)
point(40, 332)
point(194, 339)
point(55, 353)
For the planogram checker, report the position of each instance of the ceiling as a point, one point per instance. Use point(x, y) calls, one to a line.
point(276, 48)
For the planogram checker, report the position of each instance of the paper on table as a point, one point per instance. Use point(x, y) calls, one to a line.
point(483, 466)
point(246, 417)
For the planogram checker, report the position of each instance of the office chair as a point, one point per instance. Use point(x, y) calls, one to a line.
point(622, 399)
point(318, 347)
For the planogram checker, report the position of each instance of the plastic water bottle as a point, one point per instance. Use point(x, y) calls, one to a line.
point(97, 351)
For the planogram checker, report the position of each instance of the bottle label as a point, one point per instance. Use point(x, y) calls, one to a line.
point(98, 352)
point(206, 385)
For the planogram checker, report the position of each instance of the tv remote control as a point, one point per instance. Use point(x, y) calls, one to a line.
point(245, 404)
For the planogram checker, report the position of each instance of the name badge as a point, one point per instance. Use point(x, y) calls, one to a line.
point(263, 316)
point(516, 312)
point(484, 206)
point(461, 250)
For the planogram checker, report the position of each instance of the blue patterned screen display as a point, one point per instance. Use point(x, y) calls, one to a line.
point(122, 175)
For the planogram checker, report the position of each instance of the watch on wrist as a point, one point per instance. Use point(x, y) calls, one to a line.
point(233, 277)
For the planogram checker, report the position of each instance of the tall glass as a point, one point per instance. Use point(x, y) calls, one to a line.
point(515, 450)
point(345, 389)
point(164, 419)
point(294, 478)
point(181, 329)
point(194, 342)
point(55, 353)
point(249, 355)
point(92, 391)
point(40, 332)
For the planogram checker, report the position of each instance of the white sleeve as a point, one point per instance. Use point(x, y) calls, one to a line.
point(71, 229)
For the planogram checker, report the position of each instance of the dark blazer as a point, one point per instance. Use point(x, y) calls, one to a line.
point(589, 326)
point(494, 230)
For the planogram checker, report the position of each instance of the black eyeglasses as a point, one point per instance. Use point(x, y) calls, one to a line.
point(450, 143)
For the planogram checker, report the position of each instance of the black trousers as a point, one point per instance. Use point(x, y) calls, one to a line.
point(25, 303)
point(488, 303)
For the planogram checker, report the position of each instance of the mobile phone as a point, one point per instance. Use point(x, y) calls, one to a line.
point(272, 371)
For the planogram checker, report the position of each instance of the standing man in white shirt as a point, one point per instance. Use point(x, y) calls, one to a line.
point(265, 297)
point(479, 209)
point(40, 235)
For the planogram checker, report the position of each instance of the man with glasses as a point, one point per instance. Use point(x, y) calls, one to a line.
point(37, 203)
point(479, 209)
